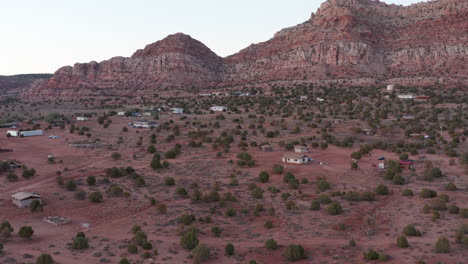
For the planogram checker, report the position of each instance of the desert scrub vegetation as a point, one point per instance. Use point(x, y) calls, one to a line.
point(294, 252)
point(410, 230)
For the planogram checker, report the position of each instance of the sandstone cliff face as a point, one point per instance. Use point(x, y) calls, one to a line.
point(345, 39)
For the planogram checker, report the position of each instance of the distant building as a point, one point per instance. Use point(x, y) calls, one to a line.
point(144, 124)
point(24, 199)
point(82, 118)
point(320, 99)
point(406, 164)
point(301, 149)
point(390, 87)
point(218, 108)
point(303, 98)
point(121, 113)
point(205, 94)
point(296, 158)
point(368, 131)
point(177, 110)
point(9, 125)
point(422, 98)
point(30, 133)
point(408, 117)
point(406, 96)
point(266, 148)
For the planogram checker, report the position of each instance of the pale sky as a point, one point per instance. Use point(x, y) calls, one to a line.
point(39, 36)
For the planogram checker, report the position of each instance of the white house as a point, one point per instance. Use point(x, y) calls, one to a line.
point(144, 124)
point(301, 149)
point(121, 113)
point(82, 118)
point(24, 199)
point(218, 108)
point(390, 87)
point(303, 98)
point(296, 158)
point(406, 96)
point(320, 99)
point(177, 110)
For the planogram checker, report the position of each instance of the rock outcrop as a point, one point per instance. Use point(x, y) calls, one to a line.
point(344, 39)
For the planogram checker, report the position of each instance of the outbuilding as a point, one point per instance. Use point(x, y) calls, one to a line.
point(177, 110)
point(301, 149)
point(24, 199)
point(82, 118)
point(296, 158)
point(144, 124)
point(218, 108)
point(266, 148)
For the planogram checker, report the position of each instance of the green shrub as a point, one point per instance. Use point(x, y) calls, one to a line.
point(271, 244)
point(257, 193)
point(268, 224)
point(216, 231)
point(80, 243)
point(200, 254)
point(294, 252)
point(186, 219)
point(124, 260)
point(147, 245)
point(451, 186)
point(95, 197)
point(407, 192)
point(371, 255)
point(70, 185)
point(444, 197)
point(278, 169)
point(45, 258)
point(189, 240)
point(231, 212)
point(381, 189)
point(229, 249)
point(323, 199)
point(402, 242)
point(426, 193)
point(315, 205)
point(6, 229)
point(323, 184)
point(438, 204)
point(463, 212)
point(35, 206)
point(26, 232)
point(352, 243)
point(91, 180)
point(442, 245)
point(169, 181)
point(334, 208)
point(453, 209)
point(132, 249)
point(410, 230)
point(263, 176)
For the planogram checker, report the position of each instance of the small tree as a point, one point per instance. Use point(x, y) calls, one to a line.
point(371, 255)
point(6, 229)
point(200, 254)
point(95, 197)
point(402, 242)
point(26, 232)
point(35, 206)
point(80, 242)
point(322, 184)
point(442, 245)
point(70, 185)
point(116, 155)
point(229, 249)
point(410, 230)
point(294, 252)
point(271, 244)
point(381, 189)
point(45, 258)
point(263, 176)
point(315, 205)
point(216, 231)
point(91, 180)
point(189, 240)
point(334, 208)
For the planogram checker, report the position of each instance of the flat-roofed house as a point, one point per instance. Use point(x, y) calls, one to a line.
point(296, 158)
point(24, 199)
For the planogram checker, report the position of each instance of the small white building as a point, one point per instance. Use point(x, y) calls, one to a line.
point(82, 118)
point(147, 113)
point(144, 124)
point(320, 99)
point(296, 158)
point(29, 133)
point(121, 113)
point(301, 149)
point(303, 98)
point(177, 110)
point(218, 108)
point(24, 199)
point(390, 87)
point(406, 96)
